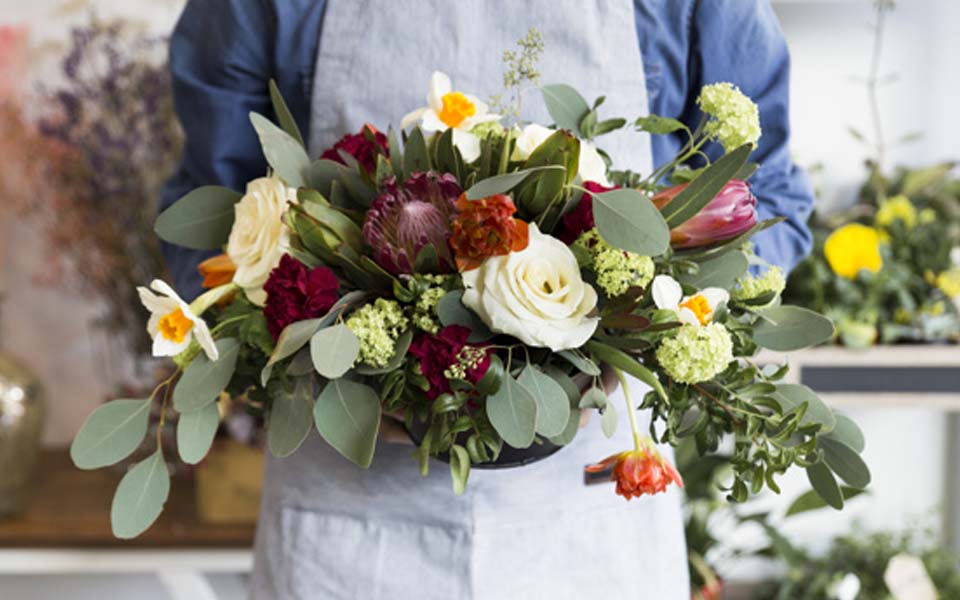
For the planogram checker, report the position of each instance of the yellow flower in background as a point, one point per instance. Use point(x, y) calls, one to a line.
point(949, 282)
point(852, 248)
point(898, 208)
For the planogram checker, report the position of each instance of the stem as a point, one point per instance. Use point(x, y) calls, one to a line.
point(872, 83)
point(219, 326)
point(630, 408)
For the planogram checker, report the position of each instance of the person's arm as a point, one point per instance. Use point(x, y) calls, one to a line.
point(220, 61)
point(740, 41)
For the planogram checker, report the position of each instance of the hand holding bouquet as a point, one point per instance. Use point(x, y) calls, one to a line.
point(463, 274)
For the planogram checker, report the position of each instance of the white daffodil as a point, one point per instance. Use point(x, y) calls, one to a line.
point(448, 109)
point(591, 165)
point(697, 309)
point(173, 324)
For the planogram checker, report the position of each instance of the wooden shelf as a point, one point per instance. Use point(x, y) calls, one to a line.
point(70, 508)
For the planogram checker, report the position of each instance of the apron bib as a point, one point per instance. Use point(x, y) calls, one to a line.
point(330, 530)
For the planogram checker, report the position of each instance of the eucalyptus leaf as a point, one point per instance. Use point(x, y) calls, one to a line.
point(204, 379)
point(792, 395)
point(825, 484)
point(786, 328)
point(111, 433)
point(573, 398)
point(811, 500)
point(608, 420)
point(291, 416)
point(594, 397)
point(195, 432)
point(582, 363)
point(347, 415)
point(284, 116)
point(658, 125)
point(721, 271)
point(845, 462)
point(285, 155)
point(513, 413)
point(553, 407)
point(565, 105)
point(451, 311)
point(628, 220)
point(201, 220)
point(501, 184)
point(140, 497)
point(334, 350)
point(847, 432)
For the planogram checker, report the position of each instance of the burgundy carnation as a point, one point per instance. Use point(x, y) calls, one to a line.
point(296, 293)
point(439, 352)
point(580, 219)
point(361, 147)
point(404, 219)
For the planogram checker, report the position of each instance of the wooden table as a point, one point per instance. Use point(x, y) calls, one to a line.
point(66, 529)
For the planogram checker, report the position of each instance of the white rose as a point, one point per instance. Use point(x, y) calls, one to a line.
point(591, 165)
point(259, 237)
point(536, 295)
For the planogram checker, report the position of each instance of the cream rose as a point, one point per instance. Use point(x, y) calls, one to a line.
point(259, 237)
point(591, 165)
point(536, 295)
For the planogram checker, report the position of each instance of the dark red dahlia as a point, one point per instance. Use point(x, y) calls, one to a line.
point(447, 352)
point(363, 146)
point(402, 220)
point(295, 293)
point(580, 219)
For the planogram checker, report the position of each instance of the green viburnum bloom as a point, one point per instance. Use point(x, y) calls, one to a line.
point(753, 286)
point(425, 310)
point(617, 270)
point(378, 326)
point(735, 118)
point(490, 128)
point(696, 353)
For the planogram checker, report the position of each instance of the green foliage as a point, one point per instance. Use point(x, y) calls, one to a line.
point(286, 155)
point(553, 406)
point(334, 349)
point(513, 413)
point(347, 415)
point(110, 434)
point(628, 220)
point(291, 416)
point(140, 497)
point(195, 431)
point(705, 187)
point(202, 219)
point(204, 379)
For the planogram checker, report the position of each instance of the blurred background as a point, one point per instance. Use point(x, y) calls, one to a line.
point(87, 134)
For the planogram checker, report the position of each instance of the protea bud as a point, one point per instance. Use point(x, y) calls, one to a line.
point(730, 213)
point(402, 220)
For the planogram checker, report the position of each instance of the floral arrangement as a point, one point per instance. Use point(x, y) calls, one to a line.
point(473, 279)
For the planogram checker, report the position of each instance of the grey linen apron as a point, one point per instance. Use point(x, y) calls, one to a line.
point(330, 530)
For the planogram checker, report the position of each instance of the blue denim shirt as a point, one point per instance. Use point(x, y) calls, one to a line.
point(224, 52)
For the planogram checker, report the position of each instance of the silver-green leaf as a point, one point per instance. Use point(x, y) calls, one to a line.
point(787, 328)
point(565, 105)
point(513, 413)
point(347, 415)
point(628, 220)
point(201, 220)
point(553, 407)
point(204, 379)
point(111, 433)
point(195, 432)
point(334, 350)
point(285, 154)
point(792, 395)
point(291, 416)
point(140, 497)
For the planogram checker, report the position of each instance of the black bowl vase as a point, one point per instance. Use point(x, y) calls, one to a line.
point(509, 457)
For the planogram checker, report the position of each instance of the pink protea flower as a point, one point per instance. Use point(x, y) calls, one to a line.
point(402, 220)
point(732, 212)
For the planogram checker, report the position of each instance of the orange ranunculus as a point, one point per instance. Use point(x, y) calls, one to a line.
point(640, 471)
point(217, 270)
point(485, 228)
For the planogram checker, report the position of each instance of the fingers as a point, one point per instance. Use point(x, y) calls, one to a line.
point(392, 432)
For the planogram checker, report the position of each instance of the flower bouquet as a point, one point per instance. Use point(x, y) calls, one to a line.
point(473, 279)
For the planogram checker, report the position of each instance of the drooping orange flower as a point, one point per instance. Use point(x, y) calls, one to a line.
point(639, 471)
point(485, 228)
point(217, 270)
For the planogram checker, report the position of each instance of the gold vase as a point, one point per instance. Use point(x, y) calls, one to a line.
point(21, 423)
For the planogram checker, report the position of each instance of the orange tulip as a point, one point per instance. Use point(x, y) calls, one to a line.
point(639, 471)
point(485, 228)
point(216, 271)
